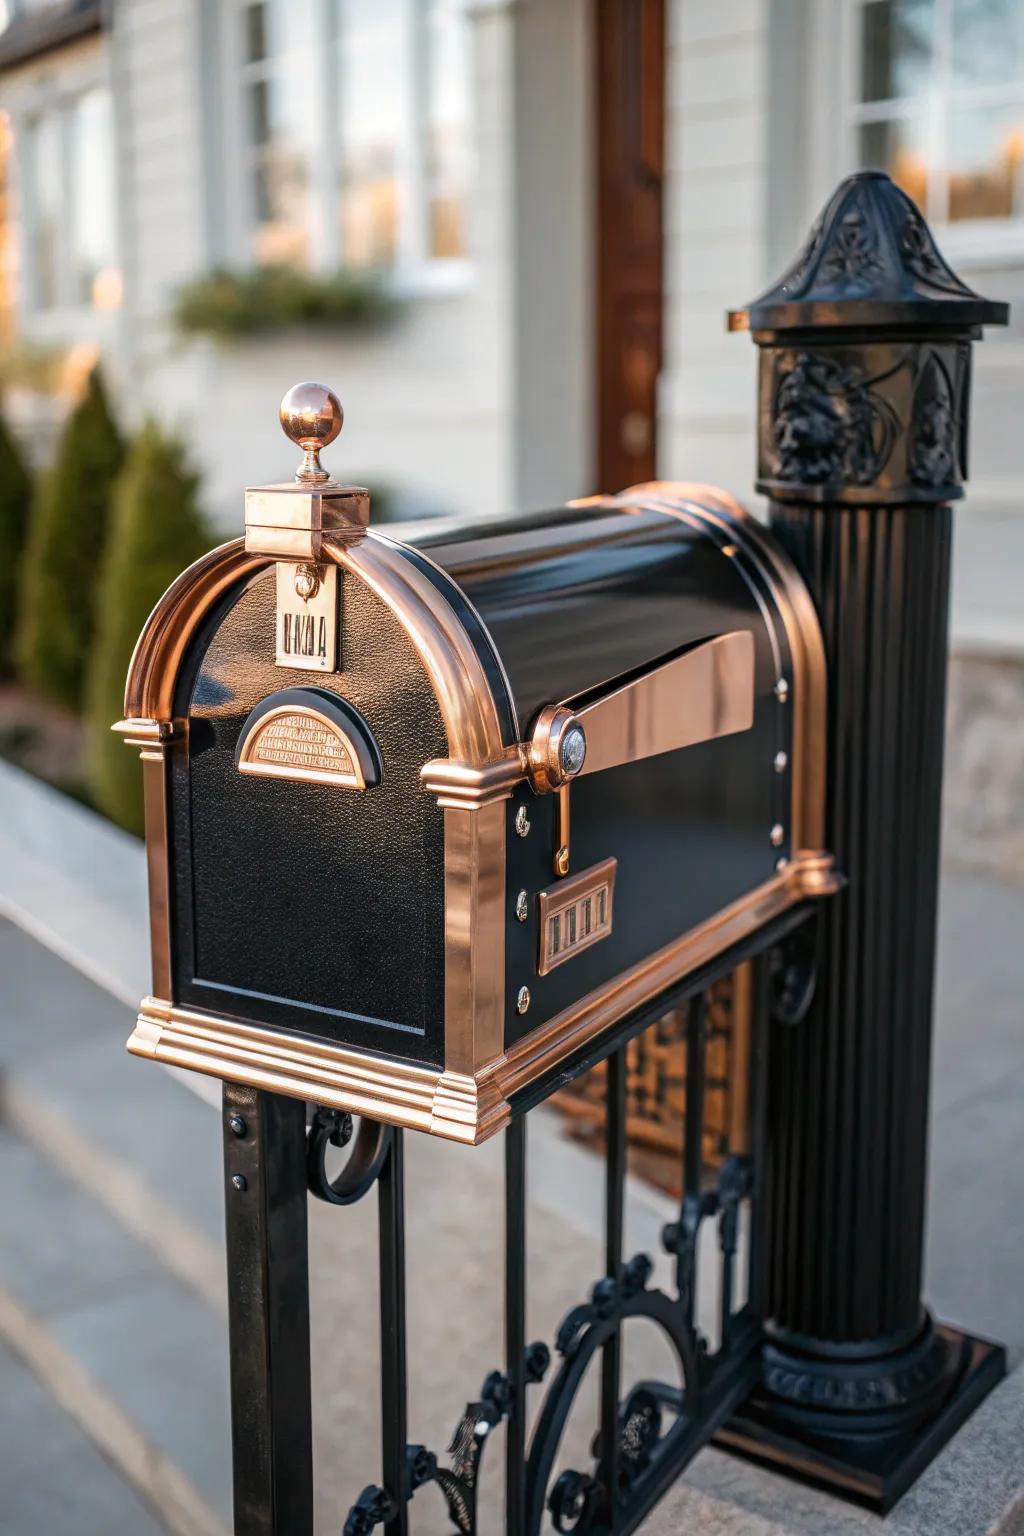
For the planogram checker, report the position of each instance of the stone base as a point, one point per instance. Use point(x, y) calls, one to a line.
point(867, 1468)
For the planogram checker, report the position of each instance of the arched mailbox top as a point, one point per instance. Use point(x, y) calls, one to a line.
point(450, 656)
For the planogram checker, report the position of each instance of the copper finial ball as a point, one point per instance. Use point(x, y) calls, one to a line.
point(311, 416)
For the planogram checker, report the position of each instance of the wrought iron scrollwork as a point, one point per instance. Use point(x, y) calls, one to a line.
point(571, 1502)
point(793, 975)
point(335, 1128)
point(459, 1482)
point(573, 1499)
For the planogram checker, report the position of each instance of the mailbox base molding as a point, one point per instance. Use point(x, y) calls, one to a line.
point(460, 1106)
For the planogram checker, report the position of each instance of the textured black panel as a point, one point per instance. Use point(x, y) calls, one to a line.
point(471, 623)
point(311, 906)
point(690, 831)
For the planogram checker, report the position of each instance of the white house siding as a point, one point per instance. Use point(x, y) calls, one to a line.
point(715, 237)
point(755, 144)
point(427, 399)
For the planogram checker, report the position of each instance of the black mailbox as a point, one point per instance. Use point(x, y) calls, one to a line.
point(426, 817)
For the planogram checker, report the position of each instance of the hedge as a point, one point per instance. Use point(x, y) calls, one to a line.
point(156, 531)
point(15, 498)
point(67, 533)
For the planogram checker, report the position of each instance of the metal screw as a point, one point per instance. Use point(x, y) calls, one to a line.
point(522, 906)
point(778, 835)
point(240, 1182)
point(781, 762)
point(561, 861)
point(523, 1000)
point(238, 1125)
point(782, 690)
point(522, 821)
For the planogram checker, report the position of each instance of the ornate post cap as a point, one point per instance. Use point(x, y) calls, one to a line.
point(870, 261)
point(291, 520)
point(865, 358)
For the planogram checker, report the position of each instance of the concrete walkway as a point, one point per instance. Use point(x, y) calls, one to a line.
point(111, 1265)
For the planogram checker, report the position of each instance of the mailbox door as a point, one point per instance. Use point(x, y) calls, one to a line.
point(302, 903)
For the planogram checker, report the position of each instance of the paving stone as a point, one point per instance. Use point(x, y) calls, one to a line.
point(60, 1250)
point(73, 1059)
point(972, 1489)
point(979, 1034)
point(54, 1481)
point(162, 1355)
point(973, 1259)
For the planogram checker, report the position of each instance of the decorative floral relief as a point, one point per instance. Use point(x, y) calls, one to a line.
point(852, 259)
point(933, 434)
point(829, 426)
point(922, 256)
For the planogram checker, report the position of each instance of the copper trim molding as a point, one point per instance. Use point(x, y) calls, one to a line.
point(474, 943)
point(247, 1053)
point(707, 506)
point(449, 656)
point(152, 737)
point(466, 785)
point(802, 878)
point(456, 1103)
point(160, 649)
point(458, 1106)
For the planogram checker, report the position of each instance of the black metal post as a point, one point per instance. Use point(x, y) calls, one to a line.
point(865, 367)
point(614, 1228)
point(515, 1325)
point(268, 1312)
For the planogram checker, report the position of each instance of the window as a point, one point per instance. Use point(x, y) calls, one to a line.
point(44, 209)
point(386, 187)
point(276, 103)
point(940, 104)
point(92, 204)
point(69, 207)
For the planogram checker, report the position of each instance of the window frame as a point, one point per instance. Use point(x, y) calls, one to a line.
point(414, 272)
point(69, 317)
point(977, 241)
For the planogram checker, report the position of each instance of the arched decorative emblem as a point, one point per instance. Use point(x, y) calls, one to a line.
point(310, 735)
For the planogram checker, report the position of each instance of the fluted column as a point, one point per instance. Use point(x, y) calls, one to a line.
point(865, 369)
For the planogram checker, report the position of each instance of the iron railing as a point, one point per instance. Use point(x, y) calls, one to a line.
point(646, 1431)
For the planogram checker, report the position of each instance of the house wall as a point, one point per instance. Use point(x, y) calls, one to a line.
point(427, 398)
point(756, 142)
point(715, 253)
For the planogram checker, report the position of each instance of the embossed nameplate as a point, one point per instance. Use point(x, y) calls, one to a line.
point(309, 734)
point(574, 914)
point(307, 617)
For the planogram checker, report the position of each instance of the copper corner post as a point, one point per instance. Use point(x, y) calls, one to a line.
point(865, 355)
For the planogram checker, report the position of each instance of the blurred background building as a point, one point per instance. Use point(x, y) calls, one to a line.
point(563, 196)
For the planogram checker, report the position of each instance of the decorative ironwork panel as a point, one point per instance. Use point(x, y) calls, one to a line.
point(656, 1086)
